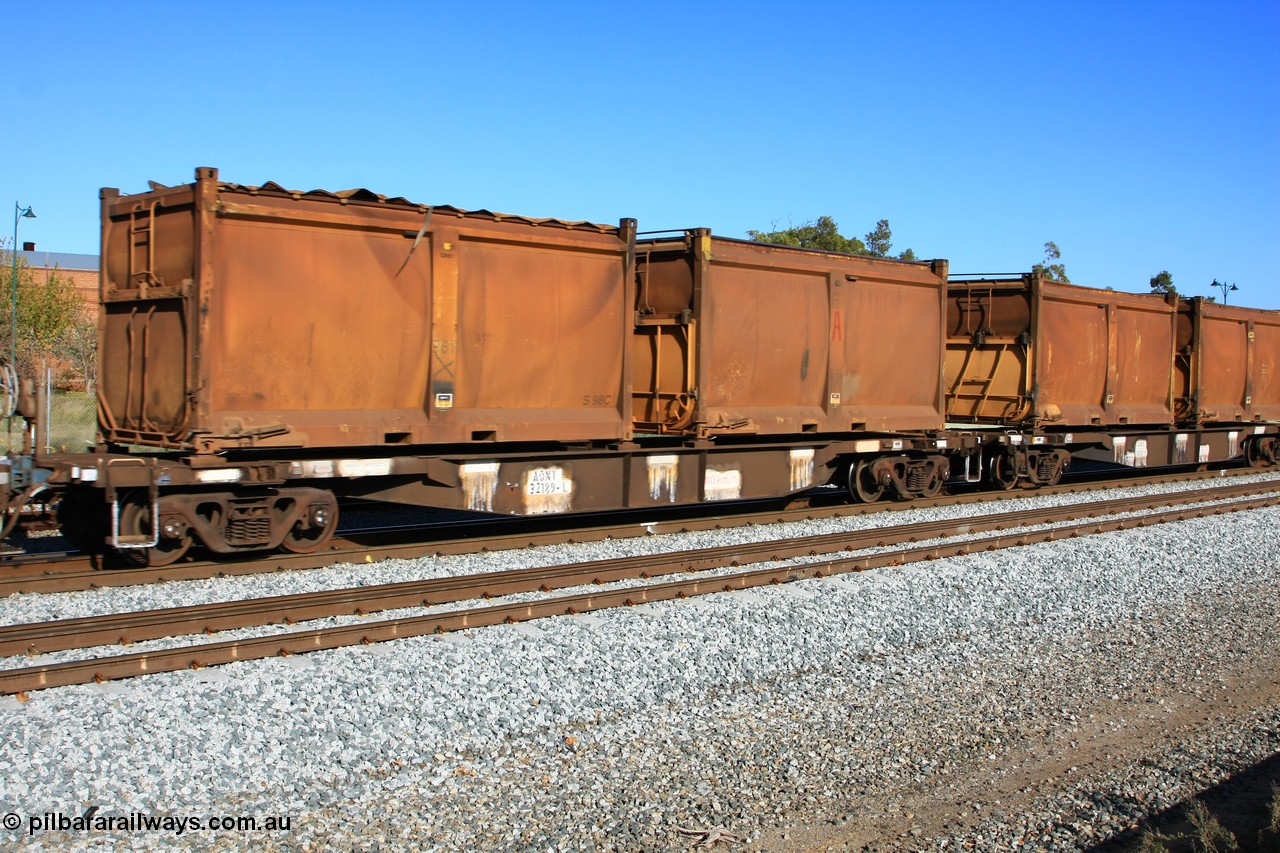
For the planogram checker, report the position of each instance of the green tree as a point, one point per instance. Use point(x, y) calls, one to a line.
point(880, 240)
point(824, 234)
point(1052, 269)
point(48, 306)
point(1162, 282)
point(79, 345)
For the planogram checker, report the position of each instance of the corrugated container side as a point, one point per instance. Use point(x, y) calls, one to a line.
point(349, 320)
point(889, 320)
point(1229, 362)
point(735, 337)
point(1031, 352)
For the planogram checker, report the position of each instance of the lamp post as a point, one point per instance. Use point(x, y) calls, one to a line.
point(1226, 288)
point(19, 213)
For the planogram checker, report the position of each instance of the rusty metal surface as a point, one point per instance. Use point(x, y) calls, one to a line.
point(242, 316)
point(987, 370)
point(742, 338)
point(596, 480)
point(1182, 446)
point(1230, 365)
point(1036, 353)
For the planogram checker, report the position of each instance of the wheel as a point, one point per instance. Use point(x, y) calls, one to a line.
point(1003, 475)
point(933, 488)
point(314, 531)
point(135, 521)
point(1257, 455)
point(862, 484)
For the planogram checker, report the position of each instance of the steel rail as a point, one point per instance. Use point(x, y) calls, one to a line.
point(604, 571)
point(126, 628)
point(19, 681)
point(79, 573)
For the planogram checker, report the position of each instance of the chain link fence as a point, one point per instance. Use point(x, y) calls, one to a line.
point(72, 417)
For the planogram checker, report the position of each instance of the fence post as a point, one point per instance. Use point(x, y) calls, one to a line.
point(48, 407)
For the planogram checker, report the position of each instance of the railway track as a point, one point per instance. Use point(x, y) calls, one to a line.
point(211, 618)
point(30, 573)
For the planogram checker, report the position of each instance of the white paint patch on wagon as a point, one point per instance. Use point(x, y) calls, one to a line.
point(479, 484)
point(364, 467)
point(547, 490)
point(721, 485)
point(801, 468)
point(1140, 453)
point(323, 468)
point(663, 476)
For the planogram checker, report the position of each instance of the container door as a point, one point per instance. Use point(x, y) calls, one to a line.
point(147, 290)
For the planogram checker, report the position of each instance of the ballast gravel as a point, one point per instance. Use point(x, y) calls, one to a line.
point(41, 607)
point(762, 714)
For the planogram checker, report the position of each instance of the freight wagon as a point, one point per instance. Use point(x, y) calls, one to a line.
point(1050, 372)
point(266, 352)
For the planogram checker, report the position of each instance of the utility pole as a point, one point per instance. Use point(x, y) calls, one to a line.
point(19, 213)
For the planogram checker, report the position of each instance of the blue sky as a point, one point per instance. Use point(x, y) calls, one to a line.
point(1138, 136)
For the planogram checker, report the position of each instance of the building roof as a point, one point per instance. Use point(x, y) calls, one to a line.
point(61, 260)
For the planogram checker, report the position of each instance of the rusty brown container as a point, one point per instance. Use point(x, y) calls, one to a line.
point(1228, 363)
point(1034, 353)
point(742, 338)
point(238, 316)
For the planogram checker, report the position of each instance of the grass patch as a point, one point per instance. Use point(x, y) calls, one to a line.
point(1211, 835)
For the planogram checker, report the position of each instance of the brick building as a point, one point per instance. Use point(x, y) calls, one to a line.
point(81, 269)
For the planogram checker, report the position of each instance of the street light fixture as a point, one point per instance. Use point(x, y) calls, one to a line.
point(19, 213)
point(1226, 288)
